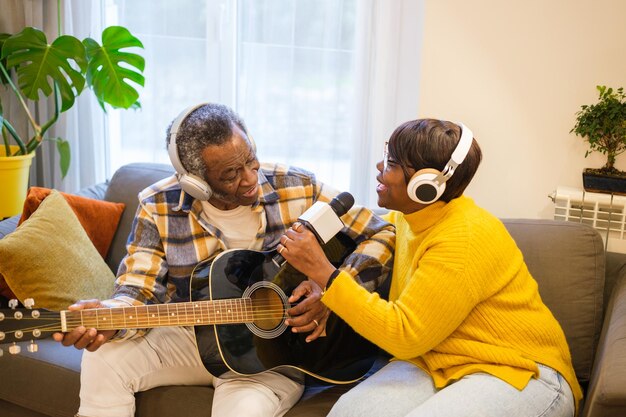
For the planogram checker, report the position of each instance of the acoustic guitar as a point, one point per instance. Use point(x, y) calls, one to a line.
point(238, 309)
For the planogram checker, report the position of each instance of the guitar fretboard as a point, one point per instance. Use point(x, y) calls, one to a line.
point(238, 310)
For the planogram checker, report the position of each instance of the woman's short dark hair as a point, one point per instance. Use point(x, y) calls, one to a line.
point(209, 124)
point(429, 143)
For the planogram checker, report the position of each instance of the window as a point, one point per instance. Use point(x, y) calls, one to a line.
point(302, 74)
point(287, 67)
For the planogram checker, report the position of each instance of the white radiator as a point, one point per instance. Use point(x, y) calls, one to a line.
point(604, 212)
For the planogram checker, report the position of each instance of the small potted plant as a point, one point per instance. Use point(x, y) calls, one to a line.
point(603, 126)
point(33, 70)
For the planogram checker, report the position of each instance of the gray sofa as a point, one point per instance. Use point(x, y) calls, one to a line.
point(584, 287)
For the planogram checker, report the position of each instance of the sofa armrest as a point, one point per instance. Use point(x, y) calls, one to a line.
point(606, 396)
point(8, 225)
point(96, 191)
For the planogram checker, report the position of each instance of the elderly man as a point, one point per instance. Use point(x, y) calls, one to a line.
point(220, 198)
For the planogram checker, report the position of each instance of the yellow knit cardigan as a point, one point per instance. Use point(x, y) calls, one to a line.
point(461, 301)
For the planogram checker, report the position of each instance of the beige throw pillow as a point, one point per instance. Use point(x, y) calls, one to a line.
point(51, 259)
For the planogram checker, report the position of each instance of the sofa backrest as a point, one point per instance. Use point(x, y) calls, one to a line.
point(568, 261)
point(126, 183)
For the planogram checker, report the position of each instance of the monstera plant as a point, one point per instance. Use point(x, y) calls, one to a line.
point(36, 70)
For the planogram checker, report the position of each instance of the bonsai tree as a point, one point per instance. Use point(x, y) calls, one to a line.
point(603, 126)
point(34, 70)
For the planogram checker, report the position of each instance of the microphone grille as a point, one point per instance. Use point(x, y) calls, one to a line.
point(342, 203)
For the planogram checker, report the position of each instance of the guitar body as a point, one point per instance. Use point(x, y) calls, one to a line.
point(263, 341)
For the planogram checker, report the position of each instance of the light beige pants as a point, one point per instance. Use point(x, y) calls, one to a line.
point(168, 356)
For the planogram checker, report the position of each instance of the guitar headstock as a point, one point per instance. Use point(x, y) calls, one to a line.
point(25, 324)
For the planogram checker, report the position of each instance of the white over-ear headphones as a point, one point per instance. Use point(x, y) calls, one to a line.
point(191, 184)
point(427, 185)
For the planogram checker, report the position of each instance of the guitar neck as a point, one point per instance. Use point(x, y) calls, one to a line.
point(230, 311)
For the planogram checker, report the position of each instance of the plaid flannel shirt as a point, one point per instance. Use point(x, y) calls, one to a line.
point(169, 237)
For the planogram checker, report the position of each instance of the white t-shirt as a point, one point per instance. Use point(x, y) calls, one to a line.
point(239, 226)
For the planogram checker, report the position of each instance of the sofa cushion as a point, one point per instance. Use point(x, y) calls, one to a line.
point(51, 259)
point(123, 188)
point(568, 262)
point(46, 381)
point(98, 218)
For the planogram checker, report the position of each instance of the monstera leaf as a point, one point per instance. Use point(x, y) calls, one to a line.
point(106, 76)
point(3, 37)
point(60, 70)
point(39, 64)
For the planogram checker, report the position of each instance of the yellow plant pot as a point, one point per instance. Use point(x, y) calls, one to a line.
point(14, 172)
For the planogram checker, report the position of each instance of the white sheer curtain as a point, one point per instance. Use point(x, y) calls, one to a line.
point(390, 43)
point(15, 16)
point(84, 125)
point(80, 124)
point(326, 91)
point(320, 83)
point(296, 82)
point(286, 66)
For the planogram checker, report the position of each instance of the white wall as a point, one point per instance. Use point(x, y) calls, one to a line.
point(516, 72)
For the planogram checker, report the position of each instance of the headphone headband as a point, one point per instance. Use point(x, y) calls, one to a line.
point(458, 155)
point(191, 184)
point(172, 148)
point(427, 185)
point(465, 143)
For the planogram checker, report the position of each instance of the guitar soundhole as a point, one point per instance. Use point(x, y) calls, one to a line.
point(269, 305)
point(268, 309)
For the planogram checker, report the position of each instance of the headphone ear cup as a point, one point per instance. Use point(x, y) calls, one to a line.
point(194, 186)
point(422, 189)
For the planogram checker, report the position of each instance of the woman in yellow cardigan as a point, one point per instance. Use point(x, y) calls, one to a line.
point(464, 322)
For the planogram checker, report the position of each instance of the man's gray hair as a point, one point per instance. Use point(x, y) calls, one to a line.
point(209, 124)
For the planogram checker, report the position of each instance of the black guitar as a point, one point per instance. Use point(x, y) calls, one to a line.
point(238, 320)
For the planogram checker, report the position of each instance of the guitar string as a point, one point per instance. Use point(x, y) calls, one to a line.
point(268, 307)
point(149, 323)
point(143, 320)
point(178, 306)
point(77, 316)
point(142, 324)
point(152, 316)
point(190, 318)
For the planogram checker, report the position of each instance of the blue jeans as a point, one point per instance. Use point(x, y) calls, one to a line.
point(400, 389)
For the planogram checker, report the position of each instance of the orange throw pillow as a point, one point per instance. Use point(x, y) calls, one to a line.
point(98, 218)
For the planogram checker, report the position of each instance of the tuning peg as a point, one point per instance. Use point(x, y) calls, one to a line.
point(14, 349)
point(29, 303)
point(32, 347)
point(36, 332)
point(18, 315)
point(35, 314)
point(19, 334)
point(1, 316)
point(13, 303)
point(2, 336)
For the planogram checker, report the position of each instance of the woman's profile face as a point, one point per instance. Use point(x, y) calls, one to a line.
point(392, 182)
